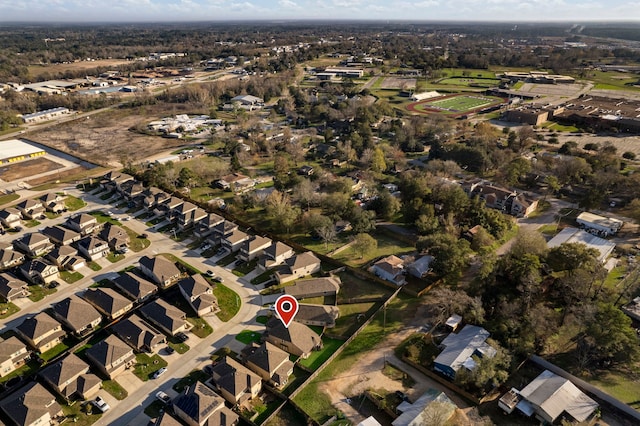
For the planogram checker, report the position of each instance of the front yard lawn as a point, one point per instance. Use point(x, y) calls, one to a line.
point(94, 266)
point(201, 328)
point(228, 301)
point(54, 351)
point(248, 336)
point(245, 268)
point(154, 409)
point(114, 389)
point(79, 415)
point(31, 223)
point(7, 309)
point(227, 260)
point(39, 292)
point(114, 257)
point(147, 365)
point(71, 277)
point(191, 378)
point(74, 203)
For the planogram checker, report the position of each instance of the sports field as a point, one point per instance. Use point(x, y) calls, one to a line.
point(454, 104)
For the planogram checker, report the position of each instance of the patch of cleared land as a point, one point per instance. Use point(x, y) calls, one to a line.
point(27, 168)
point(38, 70)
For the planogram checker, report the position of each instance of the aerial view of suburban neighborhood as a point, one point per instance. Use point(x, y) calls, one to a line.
point(289, 213)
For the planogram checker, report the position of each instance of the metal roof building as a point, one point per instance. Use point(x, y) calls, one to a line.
point(574, 235)
point(14, 150)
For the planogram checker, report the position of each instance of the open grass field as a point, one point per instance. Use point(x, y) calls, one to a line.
point(38, 70)
point(470, 81)
point(456, 104)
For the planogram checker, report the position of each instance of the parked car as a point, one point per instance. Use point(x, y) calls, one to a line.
point(159, 372)
point(210, 273)
point(101, 404)
point(163, 397)
point(169, 350)
point(217, 279)
point(54, 284)
point(182, 337)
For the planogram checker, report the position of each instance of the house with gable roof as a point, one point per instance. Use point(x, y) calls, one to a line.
point(460, 348)
point(199, 294)
point(297, 339)
point(253, 248)
point(235, 382)
point(38, 271)
point(108, 301)
point(34, 244)
point(9, 257)
point(160, 270)
point(11, 288)
point(138, 334)
point(269, 362)
point(41, 332)
point(10, 217)
point(111, 356)
point(32, 405)
point(390, 268)
point(167, 317)
point(298, 266)
point(135, 287)
point(80, 317)
point(83, 223)
point(70, 377)
point(199, 405)
point(13, 355)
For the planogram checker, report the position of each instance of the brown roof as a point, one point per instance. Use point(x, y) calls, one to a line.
point(199, 402)
point(135, 286)
point(313, 286)
point(276, 249)
point(77, 312)
point(268, 357)
point(137, 333)
point(106, 299)
point(302, 260)
point(29, 404)
point(391, 264)
point(38, 325)
point(64, 370)
point(10, 346)
point(233, 377)
point(298, 334)
point(321, 313)
point(164, 314)
point(161, 266)
point(109, 351)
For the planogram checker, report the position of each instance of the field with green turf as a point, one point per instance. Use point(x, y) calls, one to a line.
point(453, 105)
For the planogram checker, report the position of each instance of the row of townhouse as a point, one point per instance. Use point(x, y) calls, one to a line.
point(28, 209)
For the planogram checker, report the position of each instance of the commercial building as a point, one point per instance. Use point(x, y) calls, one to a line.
point(45, 115)
point(14, 150)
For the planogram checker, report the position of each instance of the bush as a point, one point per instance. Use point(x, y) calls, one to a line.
point(629, 155)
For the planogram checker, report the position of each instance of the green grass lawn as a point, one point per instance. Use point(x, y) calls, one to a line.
point(386, 247)
point(317, 358)
point(114, 257)
point(615, 276)
point(80, 414)
point(8, 309)
point(228, 301)
point(246, 268)
point(263, 277)
point(74, 203)
point(147, 365)
point(55, 351)
point(262, 319)
point(114, 389)
point(201, 328)
point(31, 223)
point(317, 404)
point(191, 378)
point(51, 215)
point(94, 266)
point(248, 336)
point(178, 346)
point(26, 370)
point(353, 288)
point(351, 316)
point(136, 243)
point(8, 198)
point(618, 385)
point(71, 277)
point(39, 292)
point(227, 260)
point(154, 409)
point(549, 229)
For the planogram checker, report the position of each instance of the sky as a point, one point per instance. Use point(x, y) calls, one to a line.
point(218, 10)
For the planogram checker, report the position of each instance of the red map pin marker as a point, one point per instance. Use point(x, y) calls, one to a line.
point(286, 308)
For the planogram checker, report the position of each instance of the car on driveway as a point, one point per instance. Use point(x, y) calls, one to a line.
point(159, 372)
point(182, 337)
point(169, 350)
point(210, 273)
point(163, 397)
point(101, 404)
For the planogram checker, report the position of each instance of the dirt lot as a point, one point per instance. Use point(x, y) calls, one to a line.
point(105, 138)
point(36, 70)
point(398, 83)
point(26, 168)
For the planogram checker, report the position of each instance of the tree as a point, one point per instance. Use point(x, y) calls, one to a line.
point(571, 257)
point(326, 230)
point(492, 371)
point(516, 170)
point(378, 163)
point(450, 253)
point(364, 244)
point(385, 205)
point(629, 155)
point(634, 210)
point(283, 214)
point(528, 242)
point(610, 336)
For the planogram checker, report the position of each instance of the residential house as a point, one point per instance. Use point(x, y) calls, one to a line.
point(191, 218)
point(11, 288)
point(254, 247)
point(32, 405)
point(31, 209)
point(220, 231)
point(297, 339)
point(9, 257)
point(235, 382)
point(168, 206)
point(66, 257)
point(10, 218)
point(183, 214)
point(153, 196)
point(53, 203)
point(314, 287)
point(41, 332)
point(420, 267)
point(13, 355)
point(131, 189)
point(235, 182)
point(165, 419)
point(61, 236)
point(199, 405)
point(199, 295)
point(248, 101)
point(204, 227)
point(93, 248)
point(142, 337)
point(77, 315)
point(550, 397)
point(460, 348)
point(115, 236)
point(298, 266)
point(37, 271)
point(135, 287)
point(305, 171)
point(170, 319)
point(70, 377)
point(275, 255)
point(271, 363)
point(390, 268)
point(421, 412)
point(234, 240)
point(319, 315)
point(111, 356)
point(83, 223)
point(34, 244)
point(108, 301)
point(160, 270)
point(505, 200)
point(114, 181)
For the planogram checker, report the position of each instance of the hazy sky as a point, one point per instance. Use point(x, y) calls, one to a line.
point(215, 10)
